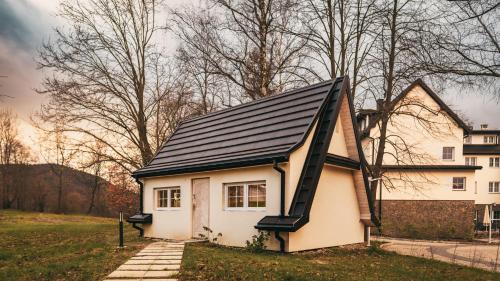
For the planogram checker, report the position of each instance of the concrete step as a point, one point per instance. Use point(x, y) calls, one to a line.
point(142, 279)
point(153, 267)
point(157, 258)
point(141, 274)
point(151, 262)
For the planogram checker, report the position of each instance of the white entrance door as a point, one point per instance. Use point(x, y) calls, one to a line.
point(201, 204)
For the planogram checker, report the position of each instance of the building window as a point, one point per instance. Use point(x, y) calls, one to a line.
point(169, 197)
point(249, 195)
point(496, 215)
point(468, 140)
point(459, 183)
point(257, 195)
point(235, 196)
point(494, 187)
point(495, 162)
point(470, 161)
point(489, 139)
point(448, 153)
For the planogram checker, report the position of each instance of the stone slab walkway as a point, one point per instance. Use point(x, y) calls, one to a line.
point(159, 261)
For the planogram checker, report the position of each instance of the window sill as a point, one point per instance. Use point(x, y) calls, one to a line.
point(169, 209)
point(459, 190)
point(245, 209)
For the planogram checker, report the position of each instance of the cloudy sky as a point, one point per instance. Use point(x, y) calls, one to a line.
point(25, 24)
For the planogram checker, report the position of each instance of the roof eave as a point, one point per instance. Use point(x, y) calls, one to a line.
point(230, 164)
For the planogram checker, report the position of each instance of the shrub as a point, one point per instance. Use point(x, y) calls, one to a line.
point(209, 235)
point(258, 243)
point(375, 249)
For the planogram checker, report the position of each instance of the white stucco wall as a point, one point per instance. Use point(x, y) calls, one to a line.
point(427, 149)
point(483, 177)
point(425, 142)
point(338, 143)
point(335, 216)
point(236, 226)
point(436, 185)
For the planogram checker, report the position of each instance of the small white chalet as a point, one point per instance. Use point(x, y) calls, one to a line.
point(288, 164)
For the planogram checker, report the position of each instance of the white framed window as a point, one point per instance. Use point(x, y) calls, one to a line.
point(495, 162)
point(489, 139)
point(168, 197)
point(449, 153)
point(245, 196)
point(494, 187)
point(470, 161)
point(458, 183)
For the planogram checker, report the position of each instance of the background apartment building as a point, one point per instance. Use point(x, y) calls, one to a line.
point(439, 173)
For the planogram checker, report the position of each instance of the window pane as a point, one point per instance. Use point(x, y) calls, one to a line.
point(497, 162)
point(235, 196)
point(490, 188)
point(458, 183)
point(162, 198)
point(257, 195)
point(175, 197)
point(448, 153)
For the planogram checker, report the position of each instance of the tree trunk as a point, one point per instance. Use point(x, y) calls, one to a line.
point(60, 192)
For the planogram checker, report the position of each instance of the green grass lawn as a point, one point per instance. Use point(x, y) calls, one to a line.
point(39, 246)
point(204, 262)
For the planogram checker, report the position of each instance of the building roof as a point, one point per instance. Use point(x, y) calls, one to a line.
point(255, 133)
point(486, 132)
point(432, 94)
point(482, 149)
point(430, 167)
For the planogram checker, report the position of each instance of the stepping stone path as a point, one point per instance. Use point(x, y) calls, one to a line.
point(159, 261)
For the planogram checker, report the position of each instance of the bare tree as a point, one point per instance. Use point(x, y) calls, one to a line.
point(208, 87)
point(94, 165)
point(339, 35)
point(463, 45)
point(12, 151)
point(248, 43)
point(60, 154)
point(392, 67)
point(111, 81)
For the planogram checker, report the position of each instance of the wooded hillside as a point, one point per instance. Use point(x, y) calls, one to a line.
point(36, 188)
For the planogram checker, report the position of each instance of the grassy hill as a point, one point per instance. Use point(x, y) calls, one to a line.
point(36, 246)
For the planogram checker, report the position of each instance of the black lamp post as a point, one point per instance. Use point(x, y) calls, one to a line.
point(120, 225)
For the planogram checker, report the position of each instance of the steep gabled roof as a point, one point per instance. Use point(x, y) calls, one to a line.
point(432, 94)
point(254, 133)
point(337, 104)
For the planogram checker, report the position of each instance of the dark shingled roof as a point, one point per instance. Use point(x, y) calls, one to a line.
point(486, 132)
point(258, 132)
point(481, 149)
